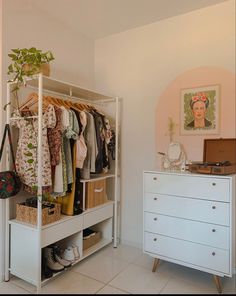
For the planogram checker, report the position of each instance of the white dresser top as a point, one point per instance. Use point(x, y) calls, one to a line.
point(187, 173)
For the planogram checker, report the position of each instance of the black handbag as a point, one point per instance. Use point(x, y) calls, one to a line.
point(10, 183)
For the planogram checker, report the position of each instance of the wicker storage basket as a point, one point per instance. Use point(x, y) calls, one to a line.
point(95, 193)
point(92, 240)
point(29, 214)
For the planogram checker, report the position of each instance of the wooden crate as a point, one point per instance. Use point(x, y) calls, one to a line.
point(28, 214)
point(95, 193)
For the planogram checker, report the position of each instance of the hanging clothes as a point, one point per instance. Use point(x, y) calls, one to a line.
point(92, 148)
point(60, 178)
point(71, 132)
point(81, 148)
point(101, 163)
point(26, 154)
point(54, 138)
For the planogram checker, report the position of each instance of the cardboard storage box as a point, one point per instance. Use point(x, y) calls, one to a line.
point(28, 214)
point(219, 157)
point(95, 193)
point(91, 240)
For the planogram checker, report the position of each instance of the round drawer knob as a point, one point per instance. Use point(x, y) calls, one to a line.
point(155, 239)
point(213, 230)
point(155, 219)
point(213, 184)
point(154, 178)
point(155, 198)
point(213, 253)
point(213, 207)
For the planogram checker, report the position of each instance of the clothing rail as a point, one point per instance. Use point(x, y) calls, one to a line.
point(70, 97)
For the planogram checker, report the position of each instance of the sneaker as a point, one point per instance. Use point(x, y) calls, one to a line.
point(62, 261)
point(68, 254)
point(76, 251)
point(51, 262)
point(57, 254)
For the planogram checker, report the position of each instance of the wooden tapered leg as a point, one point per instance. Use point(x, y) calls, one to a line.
point(218, 283)
point(156, 261)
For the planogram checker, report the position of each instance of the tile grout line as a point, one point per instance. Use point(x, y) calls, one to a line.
point(105, 284)
point(171, 277)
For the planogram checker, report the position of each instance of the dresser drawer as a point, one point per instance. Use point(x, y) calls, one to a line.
point(196, 254)
point(188, 208)
point(189, 186)
point(198, 232)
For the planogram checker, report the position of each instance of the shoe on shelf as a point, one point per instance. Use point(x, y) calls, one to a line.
point(46, 272)
point(68, 254)
point(58, 257)
point(51, 262)
point(76, 251)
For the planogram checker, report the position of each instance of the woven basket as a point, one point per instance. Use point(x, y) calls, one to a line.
point(29, 214)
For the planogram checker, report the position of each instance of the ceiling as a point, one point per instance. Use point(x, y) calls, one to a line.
point(100, 18)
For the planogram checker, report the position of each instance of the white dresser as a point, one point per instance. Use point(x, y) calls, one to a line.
point(189, 219)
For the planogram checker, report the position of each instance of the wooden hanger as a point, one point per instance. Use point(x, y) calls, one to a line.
point(69, 104)
point(30, 101)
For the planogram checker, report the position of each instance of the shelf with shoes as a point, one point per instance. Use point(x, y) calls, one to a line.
point(25, 243)
point(70, 250)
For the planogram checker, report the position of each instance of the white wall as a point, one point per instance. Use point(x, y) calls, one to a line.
point(23, 26)
point(138, 65)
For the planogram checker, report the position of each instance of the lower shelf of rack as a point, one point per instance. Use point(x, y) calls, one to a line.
point(25, 240)
point(102, 243)
point(88, 252)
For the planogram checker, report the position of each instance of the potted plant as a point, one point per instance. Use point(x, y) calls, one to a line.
point(26, 63)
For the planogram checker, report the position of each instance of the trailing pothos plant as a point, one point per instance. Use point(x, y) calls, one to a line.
point(25, 62)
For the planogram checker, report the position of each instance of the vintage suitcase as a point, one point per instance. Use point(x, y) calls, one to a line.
point(219, 157)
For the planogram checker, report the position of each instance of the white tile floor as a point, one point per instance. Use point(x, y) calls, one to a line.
point(124, 270)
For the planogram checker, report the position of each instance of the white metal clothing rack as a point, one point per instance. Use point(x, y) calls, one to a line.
point(44, 84)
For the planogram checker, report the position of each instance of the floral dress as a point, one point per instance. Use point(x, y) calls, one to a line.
point(27, 150)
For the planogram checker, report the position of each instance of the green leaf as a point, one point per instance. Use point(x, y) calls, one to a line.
point(16, 50)
point(32, 49)
point(13, 56)
point(30, 160)
point(31, 146)
point(10, 68)
point(28, 154)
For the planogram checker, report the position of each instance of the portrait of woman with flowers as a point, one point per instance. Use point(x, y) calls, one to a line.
point(199, 110)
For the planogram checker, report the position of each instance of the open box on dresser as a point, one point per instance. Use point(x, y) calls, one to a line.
point(219, 157)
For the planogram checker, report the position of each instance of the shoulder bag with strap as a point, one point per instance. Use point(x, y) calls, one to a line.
point(10, 183)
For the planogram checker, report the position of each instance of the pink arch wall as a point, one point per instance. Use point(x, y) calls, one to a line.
point(168, 105)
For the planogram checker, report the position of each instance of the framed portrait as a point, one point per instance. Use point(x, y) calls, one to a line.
point(200, 110)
